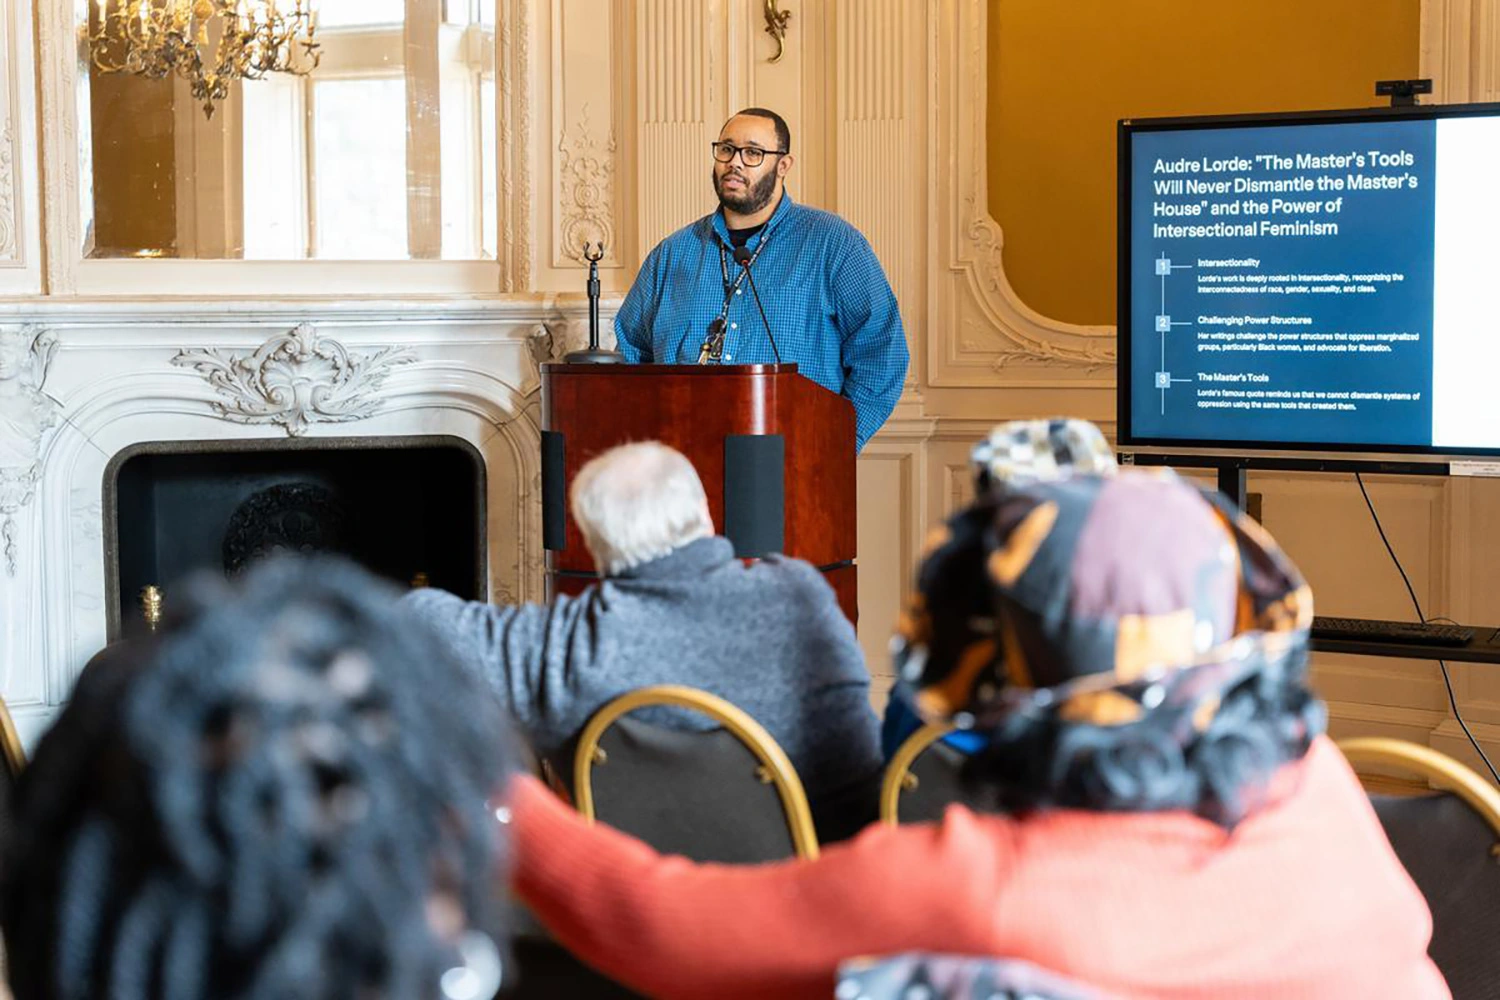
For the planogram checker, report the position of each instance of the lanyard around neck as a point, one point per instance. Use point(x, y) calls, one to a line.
point(713, 344)
point(730, 289)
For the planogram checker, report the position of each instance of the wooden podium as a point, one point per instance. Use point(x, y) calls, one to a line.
point(775, 452)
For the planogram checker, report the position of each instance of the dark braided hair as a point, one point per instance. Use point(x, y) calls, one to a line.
point(1220, 770)
point(284, 796)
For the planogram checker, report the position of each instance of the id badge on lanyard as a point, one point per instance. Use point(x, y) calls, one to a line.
point(712, 350)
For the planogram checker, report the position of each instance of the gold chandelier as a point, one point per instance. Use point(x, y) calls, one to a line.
point(206, 42)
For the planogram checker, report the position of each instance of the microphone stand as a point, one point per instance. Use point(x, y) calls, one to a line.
point(594, 355)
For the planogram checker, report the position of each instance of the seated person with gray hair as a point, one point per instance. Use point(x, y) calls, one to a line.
point(674, 606)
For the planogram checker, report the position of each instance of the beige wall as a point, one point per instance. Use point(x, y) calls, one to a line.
point(1062, 74)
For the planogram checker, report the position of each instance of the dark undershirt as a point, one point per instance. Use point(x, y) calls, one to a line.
point(739, 237)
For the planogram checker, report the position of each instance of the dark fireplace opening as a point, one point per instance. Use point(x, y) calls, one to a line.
point(411, 509)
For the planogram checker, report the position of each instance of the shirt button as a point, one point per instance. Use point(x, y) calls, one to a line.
point(734, 326)
point(729, 357)
point(739, 291)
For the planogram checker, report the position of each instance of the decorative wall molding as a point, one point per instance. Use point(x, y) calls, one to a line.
point(587, 166)
point(9, 193)
point(514, 133)
point(20, 210)
point(980, 333)
point(58, 57)
point(585, 149)
point(878, 186)
point(27, 412)
point(1029, 344)
point(296, 379)
point(7, 190)
point(681, 98)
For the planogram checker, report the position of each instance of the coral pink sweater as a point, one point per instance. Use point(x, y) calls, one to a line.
point(1304, 899)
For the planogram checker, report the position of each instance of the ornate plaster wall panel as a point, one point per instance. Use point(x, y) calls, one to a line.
point(581, 100)
point(681, 102)
point(879, 124)
point(20, 236)
point(1461, 50)
point(981, 333)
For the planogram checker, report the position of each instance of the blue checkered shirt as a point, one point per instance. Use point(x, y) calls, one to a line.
point(824, 292)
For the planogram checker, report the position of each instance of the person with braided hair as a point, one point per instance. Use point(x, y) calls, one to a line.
point(1164, 815)
point(284, 795)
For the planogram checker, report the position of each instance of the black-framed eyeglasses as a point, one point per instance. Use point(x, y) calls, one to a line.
point(750, 156)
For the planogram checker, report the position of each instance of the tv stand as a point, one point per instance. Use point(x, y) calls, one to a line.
point(1232, 482)
point(1232, 468)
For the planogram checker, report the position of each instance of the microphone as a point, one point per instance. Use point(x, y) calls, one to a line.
point(742, 257)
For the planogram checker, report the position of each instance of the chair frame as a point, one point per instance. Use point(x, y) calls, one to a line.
point(10, 743)
point(773, 759)
point(899, 769)
point(1437, 767)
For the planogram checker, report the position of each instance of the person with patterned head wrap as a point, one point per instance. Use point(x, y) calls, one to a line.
point(1013, 455)
point(1170, 820)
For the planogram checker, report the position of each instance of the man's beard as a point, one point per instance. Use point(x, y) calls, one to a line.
point(756, 196)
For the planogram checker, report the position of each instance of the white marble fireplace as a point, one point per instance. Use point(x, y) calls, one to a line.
point(79, 383)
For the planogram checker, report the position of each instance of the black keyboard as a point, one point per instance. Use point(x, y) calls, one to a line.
point(1372, 630)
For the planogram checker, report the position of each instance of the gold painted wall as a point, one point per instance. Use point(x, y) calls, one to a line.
point(1062, 72)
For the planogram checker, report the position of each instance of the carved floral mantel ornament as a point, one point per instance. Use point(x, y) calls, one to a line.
point(26, 414)
point(296, 379)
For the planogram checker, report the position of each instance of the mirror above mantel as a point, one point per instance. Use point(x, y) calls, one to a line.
point(381, 148)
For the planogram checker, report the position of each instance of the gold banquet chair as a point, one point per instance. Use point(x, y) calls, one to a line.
point(10, 745)
point(1449, 842)
point(15, 761)
point(922, 778)
point(726, 794)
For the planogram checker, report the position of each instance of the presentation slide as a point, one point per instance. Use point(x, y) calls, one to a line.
point(1317, 284)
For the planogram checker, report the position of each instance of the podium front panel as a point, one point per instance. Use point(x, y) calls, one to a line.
point(708, 413)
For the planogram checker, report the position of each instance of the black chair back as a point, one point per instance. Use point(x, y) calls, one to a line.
point(727, 794)
point(925, 776)
point(1448, 849)
point(1448, 843)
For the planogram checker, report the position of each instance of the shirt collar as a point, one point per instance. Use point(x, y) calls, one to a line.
point(697, 556)
point(782, 210)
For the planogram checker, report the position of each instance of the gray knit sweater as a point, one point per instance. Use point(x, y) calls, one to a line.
point(768, 637)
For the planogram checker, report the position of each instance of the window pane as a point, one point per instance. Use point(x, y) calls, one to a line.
point(469, 12)
point(359, 169)
point(274, 183)
point(357, 13)
point(489, 233)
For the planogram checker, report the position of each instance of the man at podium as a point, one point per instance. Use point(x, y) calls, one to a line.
point(763, 279)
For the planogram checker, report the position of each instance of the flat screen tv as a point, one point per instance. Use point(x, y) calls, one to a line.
point(1322, 282)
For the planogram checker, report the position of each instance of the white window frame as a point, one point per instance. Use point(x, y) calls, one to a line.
point(70, 272)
